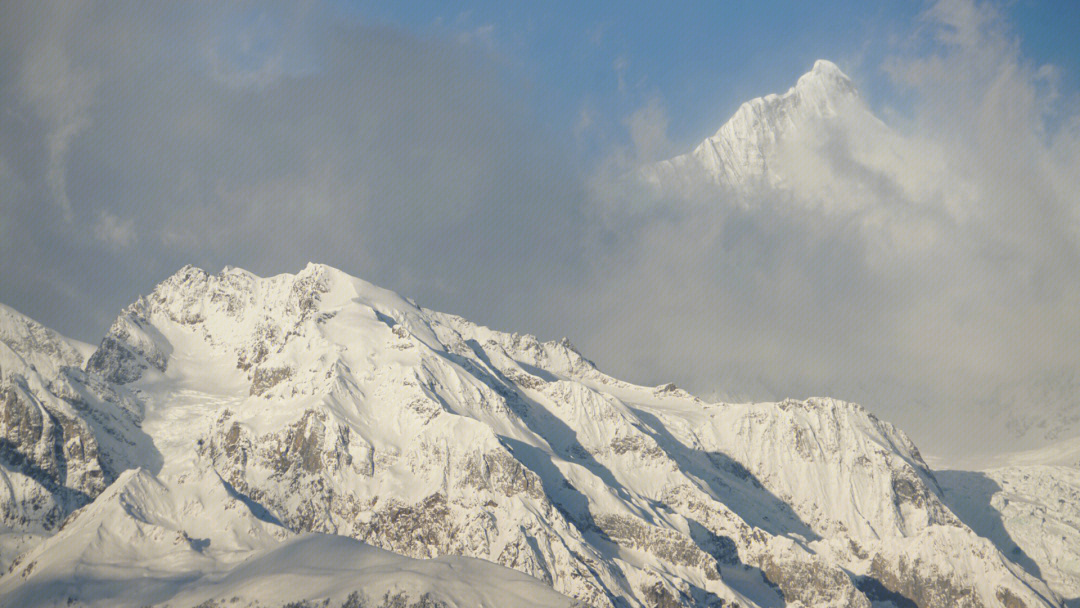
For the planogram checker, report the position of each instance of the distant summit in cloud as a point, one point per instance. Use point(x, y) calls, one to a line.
point(740, 154)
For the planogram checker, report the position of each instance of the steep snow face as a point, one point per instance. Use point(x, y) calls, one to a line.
point(329, 405)
point(748, 151)
point(1030, 512)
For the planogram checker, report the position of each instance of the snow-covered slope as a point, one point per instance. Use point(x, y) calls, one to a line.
point(39, 346)
point(1030, 512)
point(764, 144)
point(257, 409)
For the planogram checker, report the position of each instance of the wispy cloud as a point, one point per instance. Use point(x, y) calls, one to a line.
point(648, 128)
point(115, 232)
point(482, 36)
point(60, 92)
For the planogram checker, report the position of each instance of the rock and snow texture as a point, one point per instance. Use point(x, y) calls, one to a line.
point(63, 434)
point(198, 542)
point(234, 420)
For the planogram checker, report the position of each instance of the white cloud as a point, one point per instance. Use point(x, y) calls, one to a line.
point(620, 66)
point(648, 131)
point(915, 266)
point(113, 231)
point(585, 122)
point(227, 72)
point(482, 36)
point(596, 33)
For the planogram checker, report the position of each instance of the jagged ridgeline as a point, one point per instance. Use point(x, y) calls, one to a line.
point(237, 440)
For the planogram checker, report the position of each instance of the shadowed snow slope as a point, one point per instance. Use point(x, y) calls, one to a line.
point(1030, 512)
point(235, 416)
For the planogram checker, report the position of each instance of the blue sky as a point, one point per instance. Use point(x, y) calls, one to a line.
point(702, 59)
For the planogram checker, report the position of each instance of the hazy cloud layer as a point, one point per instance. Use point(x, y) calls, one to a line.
point(927, 270)
point(931, 265)
point(137, 138)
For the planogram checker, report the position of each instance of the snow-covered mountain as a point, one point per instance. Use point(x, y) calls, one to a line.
point(196, 541)
point(60, 434)
point(763, 145)
point(227, 421)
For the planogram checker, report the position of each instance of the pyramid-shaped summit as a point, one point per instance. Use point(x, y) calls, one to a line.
point(740, 154)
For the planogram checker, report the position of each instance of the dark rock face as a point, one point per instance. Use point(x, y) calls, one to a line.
point(303, 445)
point(56, 451)
point(876, 592)
point(1009, 600)
point(500, 473)
point(661, 542)
point(115, 362)
point(659, 596)
point(263, 379)
point(356, 600)
point(417, 530)
point(812, 583)
point(48, 442)
point(927, 589)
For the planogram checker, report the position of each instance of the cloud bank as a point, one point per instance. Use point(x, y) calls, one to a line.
point(929, 270)
point(920, 269)
point(137, 138)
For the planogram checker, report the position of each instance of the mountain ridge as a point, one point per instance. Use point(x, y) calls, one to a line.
point(328, 405)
